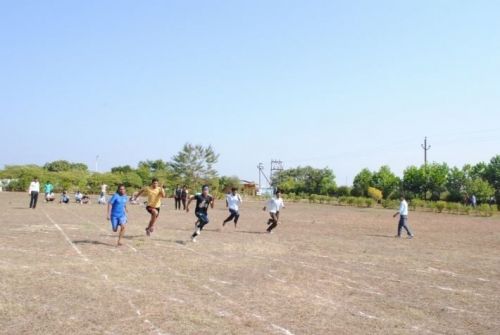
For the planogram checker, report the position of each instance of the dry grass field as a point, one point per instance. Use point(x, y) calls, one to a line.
point(326, 270)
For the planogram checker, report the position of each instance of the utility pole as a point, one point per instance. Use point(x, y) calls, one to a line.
point(276, 165)
point(426, 148)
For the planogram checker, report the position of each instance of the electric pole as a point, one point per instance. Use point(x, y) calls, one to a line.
point(426, 148)
point(276, 165)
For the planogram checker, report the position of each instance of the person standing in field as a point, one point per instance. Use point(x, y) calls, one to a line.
point(154, 193)
point(203, 200)
point(47, 189)
point(184, 196)
point(274, 205)
point(117, 212)
point(233, 203)
point(33, 191)
point(177, 197)
point(403, 218)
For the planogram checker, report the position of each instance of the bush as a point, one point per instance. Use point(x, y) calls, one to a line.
point(369, 202)
point(351, 200)
point(375, 194)
point(485, 210)
point(416, 203)
point(440, 205)
point(392, 204)
point(343, 191)
point(452, 207)
point(360, 202)
point(342, 200)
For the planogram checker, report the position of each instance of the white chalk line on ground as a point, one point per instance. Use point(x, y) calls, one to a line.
point(104, 276)
point(98, 227)
point(206, 287)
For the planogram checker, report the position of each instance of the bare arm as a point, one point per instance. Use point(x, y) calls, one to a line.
point(212, 203)
point(109, 211)
point(189, 201)
point(138, 194)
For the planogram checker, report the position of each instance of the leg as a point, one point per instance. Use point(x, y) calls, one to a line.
point(406, 227)
point(230, 217)
point(274, 222)
point(236, 218)
point(36, 199)
point(154, 216)
point(400, 226)
point(31, 199)
point(120, 235)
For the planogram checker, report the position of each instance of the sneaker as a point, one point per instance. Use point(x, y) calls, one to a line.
point(410, 237)
point(148, 232)
point(193, 239)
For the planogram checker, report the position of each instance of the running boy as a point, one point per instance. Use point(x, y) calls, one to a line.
point(233, 202)
point(203, 200)
point(117, 212)
point(154, 193)
point(275, 204)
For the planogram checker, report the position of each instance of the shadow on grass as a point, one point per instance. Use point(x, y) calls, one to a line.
point(377, 235)
point(93, 242)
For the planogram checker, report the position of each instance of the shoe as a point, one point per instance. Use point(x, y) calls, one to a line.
point(198, 231)
point(148, 232)
point(193, 239)
point(410, 237)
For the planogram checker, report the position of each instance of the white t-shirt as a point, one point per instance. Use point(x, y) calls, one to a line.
point(403, 208)
point(34, 186)
point(275, 205)
point(233, 201)
point(104, 187)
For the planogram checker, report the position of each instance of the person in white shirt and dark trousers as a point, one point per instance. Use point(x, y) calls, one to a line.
point(33, 192)
point(274, 206)
point(233, 202)
point(403, 218)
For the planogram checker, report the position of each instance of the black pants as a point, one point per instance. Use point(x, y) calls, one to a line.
point(183, 203)
point(234, 215)
point(34, 199)
point(177, 203)
point(403, 223)
point(273, 221)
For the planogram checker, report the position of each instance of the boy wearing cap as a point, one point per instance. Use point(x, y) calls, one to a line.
point(203, 200)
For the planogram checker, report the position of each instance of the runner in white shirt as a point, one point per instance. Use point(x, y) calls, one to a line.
point(233, 202)
point(33, 192)
point(274, 206)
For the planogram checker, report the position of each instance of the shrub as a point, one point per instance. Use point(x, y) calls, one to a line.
point(393, 204)
point(342, 200)
point(351, 200)
point(452, 207)
point(485, 210)
point(369, 202)
point(440, 205)
point(416, 203)
point(375, 194)
point(343, 191)
point(360, 202)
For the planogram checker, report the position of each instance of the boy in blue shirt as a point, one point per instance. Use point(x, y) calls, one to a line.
point(117, 211)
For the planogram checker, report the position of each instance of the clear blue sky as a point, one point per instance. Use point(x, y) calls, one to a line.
point(339, 84)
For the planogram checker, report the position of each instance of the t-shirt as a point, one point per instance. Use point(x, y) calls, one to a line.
point(233, 201)
point(184, 194)
point(178, 193)
point(34, 187)
point(154, 196)
point(48, 188)
point(275, 204)
point(202, 203)
point(403, 208)
point(104, 187)
point(118, 203)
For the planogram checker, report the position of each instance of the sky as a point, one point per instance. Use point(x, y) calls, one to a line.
point(338, 84)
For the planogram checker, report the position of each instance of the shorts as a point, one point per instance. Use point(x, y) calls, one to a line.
point(150, 210)
point(118, 221)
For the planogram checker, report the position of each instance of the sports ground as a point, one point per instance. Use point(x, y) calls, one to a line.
point(325, 270)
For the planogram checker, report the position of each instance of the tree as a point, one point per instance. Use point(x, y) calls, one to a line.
point(481, 189)
point(414, 182)
point(455, 184)
point(436, 175)
point(194, 164)
point(121, 169)
point(226, 183)
point(492, 175)
point(307, 180)
point(386, 181)
point(361, 183)
point(58, 166)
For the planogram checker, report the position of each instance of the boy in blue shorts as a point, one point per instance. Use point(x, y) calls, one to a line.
point(117, 211)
